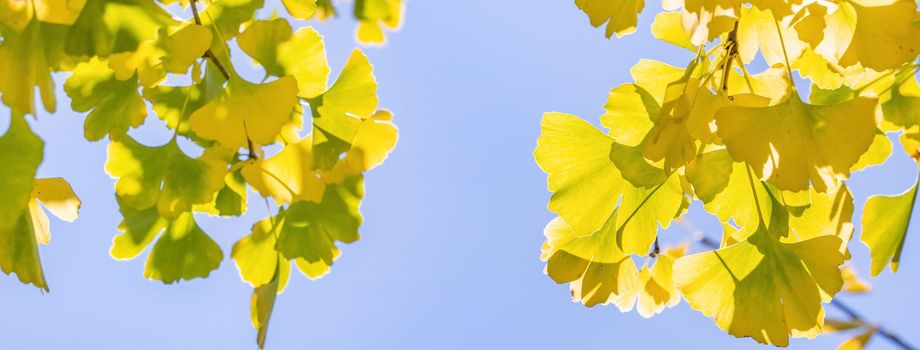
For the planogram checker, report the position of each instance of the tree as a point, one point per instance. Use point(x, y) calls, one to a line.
point(769, 165)
point(123, 55)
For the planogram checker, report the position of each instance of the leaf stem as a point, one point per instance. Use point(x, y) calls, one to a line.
point(782, 43)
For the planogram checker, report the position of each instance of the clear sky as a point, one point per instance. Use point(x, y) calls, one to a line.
point(449, 257)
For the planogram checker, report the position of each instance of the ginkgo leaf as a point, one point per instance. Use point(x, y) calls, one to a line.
point(169, 53)
point(706, 20)
point(621, 17)
point(782, 284)
point(858, 342)
point(584, 181)
point(828, 214)
point(598, 270)
point(630, 114)
point(289, 176)
point(175, 104)
point(654, 77)
point(26, 61)
point(301, 55)
point(114, 105)
point(255, 255)
point(878, 152)
point(107, 27)
point(794, 143)
point(300, 9)
point(737, 202)
point(337, 113)
point(262, 304)
point(182, 252)
point(885, 221)
point(227, 17)
point(903, 109)
point(668, 27)
point(56, 195)
point(246, 112)
point(19, 250)
point(709, 174)
point(21, 151)
point(634, 168)
point(163, 176)
point(657, 289)
point(885, 34)
point(376, 138)
point(374, 16)
point(311, 229)
point(757, 31)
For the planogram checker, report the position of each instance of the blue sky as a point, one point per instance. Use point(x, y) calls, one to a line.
point(449, 257)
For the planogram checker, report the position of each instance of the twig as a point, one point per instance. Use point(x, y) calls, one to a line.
point(209, 54)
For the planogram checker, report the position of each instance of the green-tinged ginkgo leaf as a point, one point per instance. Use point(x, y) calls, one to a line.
point(182, 252)
point(763, 288)
point(709, 174)
point(227, 17)
point(884, 226)
point(621, 16)
point(246, 112)
point(634, 168)
point(885, 35)
point(657, 289)
point(374, 16)
point(17, 14)
point(599, 272)
point(630, 114)
point(106, 27)
point(262, 303)
point(288, 176)
point(175, 104)
point(338, 112)
point(260, 41)
point(170, 53)
point(163, 176)
point(903, 109)
point(300, 9)
point(311, 229)
point(301, 55)
point(114, 105)
point(584, 180)
point(669, 28)
point(26, 61)
point(230, 199)
point(19, 250)
point(21, 151)
point(794, 143)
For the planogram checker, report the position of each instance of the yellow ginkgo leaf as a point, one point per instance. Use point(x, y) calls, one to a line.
point(376, 138)
point(621, 16)
point(289, 176)
point(256, 257)
point(375, 15)
point(885, 35)
point(300, 9)
point(57, 196)
point(304, 57)
point(852, 283)
point(668, 27)
point(709, 174)
point(654, 77)
point(338, 112)
point(858, 342)
point(794, 143)
point(599, 272)
point(762, 288)
point(884, 226)
point(630, 114)
point(757, 32)
point(657, 289)
point(737, 202)
point(247, 112)
point(828, 214)
point(584, 180)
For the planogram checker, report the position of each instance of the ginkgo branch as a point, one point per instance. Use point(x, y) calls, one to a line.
point(208, 53)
